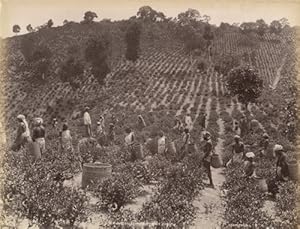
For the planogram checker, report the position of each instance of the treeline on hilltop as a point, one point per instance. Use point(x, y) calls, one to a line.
point(91, 51)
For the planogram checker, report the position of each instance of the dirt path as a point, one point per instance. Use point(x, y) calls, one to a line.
point(210, 202)
point(278, 74)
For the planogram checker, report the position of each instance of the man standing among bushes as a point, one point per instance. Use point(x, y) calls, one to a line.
point(87, 122)
point(243, 126)
point(282, 170)
point(207, 149)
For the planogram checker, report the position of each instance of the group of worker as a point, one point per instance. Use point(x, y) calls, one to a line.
point(238, 148)
point(37, 137)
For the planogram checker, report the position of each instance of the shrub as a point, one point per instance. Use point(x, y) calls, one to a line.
point(118, 190)
point(33, 186)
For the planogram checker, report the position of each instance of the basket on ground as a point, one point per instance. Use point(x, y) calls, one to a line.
point(95, 172)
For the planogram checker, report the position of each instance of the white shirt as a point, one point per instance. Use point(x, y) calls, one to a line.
point(87, 118)
point(161, 144)
point(128, 139)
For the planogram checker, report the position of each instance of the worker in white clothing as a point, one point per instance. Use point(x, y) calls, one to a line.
point(161, 142)
point(87, 122)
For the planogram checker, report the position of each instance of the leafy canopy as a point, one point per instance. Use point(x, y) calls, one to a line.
point(132, 39)
point(245, 83)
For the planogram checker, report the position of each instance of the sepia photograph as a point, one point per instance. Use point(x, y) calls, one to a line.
point(149, 114)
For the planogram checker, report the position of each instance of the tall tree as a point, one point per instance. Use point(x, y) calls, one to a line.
point(96, 53)
point(72, 72)
point(132, 39)
point(205, 18)
point(89, 16)
point(50, 23)
point(146, 13)
point(208, 34)
point(248, 27)
point(16, 29)
point(245, 83)
point(188, 17)
point(29, 28)
point(275, 27)
point(262, 27)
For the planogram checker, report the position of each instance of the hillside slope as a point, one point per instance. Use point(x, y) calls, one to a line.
point(163, 77)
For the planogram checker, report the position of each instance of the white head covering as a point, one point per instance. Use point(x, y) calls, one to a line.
point(278, 148)
point(21, 117)
point(237, 137)
point(38, 121)
point(250, 155)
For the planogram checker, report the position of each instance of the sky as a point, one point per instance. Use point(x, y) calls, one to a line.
point(38, 12)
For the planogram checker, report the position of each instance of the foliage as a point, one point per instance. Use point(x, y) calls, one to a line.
point(34, 190)
point(188, 17)
point(275, 27)
point(262, 27)
point(96, 53)
point(89, 17)
point(287, 204)
point(208, 34)
point(195, 43)
point(16, 29)
point(225, 63)
point(118, 190)
point(243, 200)
point(27, 47)
point(41, 52)
point(50, 23)
point(248, 27)
point(72, 72)
point(132, 39)
point(172, 202)
point(29, 28)
point(146, 13)
point(245, 83)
